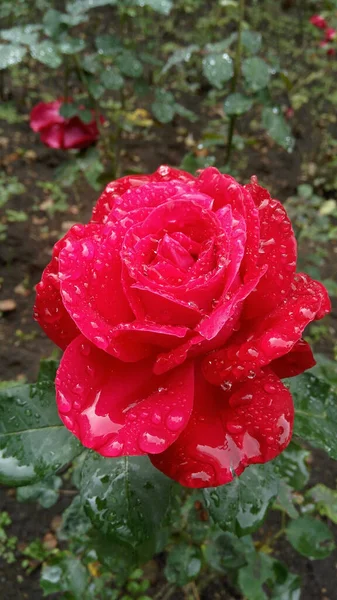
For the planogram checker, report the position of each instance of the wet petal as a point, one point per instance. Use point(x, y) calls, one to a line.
point(299, 359)
point(271, 337)
point(52, 135)
point(229, 431)
point(45, 114)
point(78, 134)
point(277, 250)
point(119, 409)
point(49, 310)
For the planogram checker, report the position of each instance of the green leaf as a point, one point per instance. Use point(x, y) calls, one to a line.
point(107, 45)
point(11, 55)
point(68, 110)
point(70, 45)
point(310, 537)
point(164, 113)
point(90, 63)
point(182, 55)
point(129, 64)
point(46, 53)
point(33, 441)
point(75, 522)
point(315, 412)
point(183, 564)
point(82, 6)
point(112, 79)
point(285, 500)
point(251, 40)
point(45, 492)
point(278, 128)
point(52, 22)
point(291, 466)
point(67, 574)
point(254, 575)
point(96, 89)
point(21, 35)
point(224, 551)
point(256, 73)
point(325, 500)
point(218, 68)
point(223, 45)
point(241, 506)
point(237, 104)
point(126, 498)
point(286, 585)
point(185, 112)
point(163, 7)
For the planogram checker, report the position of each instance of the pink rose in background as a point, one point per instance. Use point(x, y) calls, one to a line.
point(318, 21)
point(58, 132)
point(330, 34)
point(179, 310)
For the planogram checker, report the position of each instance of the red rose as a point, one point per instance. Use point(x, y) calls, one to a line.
point(318, 21)
point(330, 34)
point(57, 131)
point(179, 311)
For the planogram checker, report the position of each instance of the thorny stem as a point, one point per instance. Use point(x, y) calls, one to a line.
point(235, 80)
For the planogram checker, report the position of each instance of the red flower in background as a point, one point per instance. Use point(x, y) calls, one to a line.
point(180, 311)
point(330, 34)
point(58, 132)
point(318, 21)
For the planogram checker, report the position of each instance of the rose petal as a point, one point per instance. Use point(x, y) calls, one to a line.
point(116, 408)
point(49, 310)
point(78, 134)
point(277, 250)
point(299, 359)
point(52, 135)
point(271, 337)
point(229, 431)
point(117, 188)
point(45, 114)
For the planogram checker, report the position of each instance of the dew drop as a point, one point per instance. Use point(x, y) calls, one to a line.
point(175, 420)
point(63, 403)
point(85, 349)
point(151, 443)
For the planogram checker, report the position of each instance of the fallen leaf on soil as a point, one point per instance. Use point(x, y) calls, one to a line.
point(56, 523)
point(93, 568)
point(7, 305)
point(65, 226)
point(49, 541)
point(22, 290)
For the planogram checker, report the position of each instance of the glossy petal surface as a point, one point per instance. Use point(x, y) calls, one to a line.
point(228, 431)
point(269, 338)
point(116, 408)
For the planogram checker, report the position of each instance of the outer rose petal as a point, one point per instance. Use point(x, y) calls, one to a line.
point(269, 338)
point(277, 250)
point(299, 359)
point(52, 135)
point(49, 310)
point(117, 188)
point(116, 408)
point(227, 432)
point(78, 134)
point(45, 114)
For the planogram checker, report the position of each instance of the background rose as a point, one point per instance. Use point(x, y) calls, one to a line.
point(58, 132)
point(179, 311)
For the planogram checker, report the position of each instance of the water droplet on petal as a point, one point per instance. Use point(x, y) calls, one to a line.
point(156, 418)
point(85, 349)
point(101, 341)
point(175, 420)
point(64, 404)
point(151, 443)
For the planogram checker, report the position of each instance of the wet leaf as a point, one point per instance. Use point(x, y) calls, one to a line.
point(162, 6)
point(75, 522)
point(11, 55)
point(129, 64)
point(112, 79)
point(237, 104)
point(291, 466)
point(46, 53)
point(107, 44)
point(310, 537)
point(66, 574)
point(80, 6)
point(278, 128)
point(182, 55)
point(241, 506)
point(21, 35)
point(126, 498)
point(325, 500)
point(315, 412)
point(45, 492)
point(256, 73)
point(218, 68)
point(251, 40)
point(183, 564)
point(70, 45)
point(224, 551)
point(33, 441)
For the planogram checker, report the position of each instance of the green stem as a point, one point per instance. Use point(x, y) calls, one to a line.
point(235, 80)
